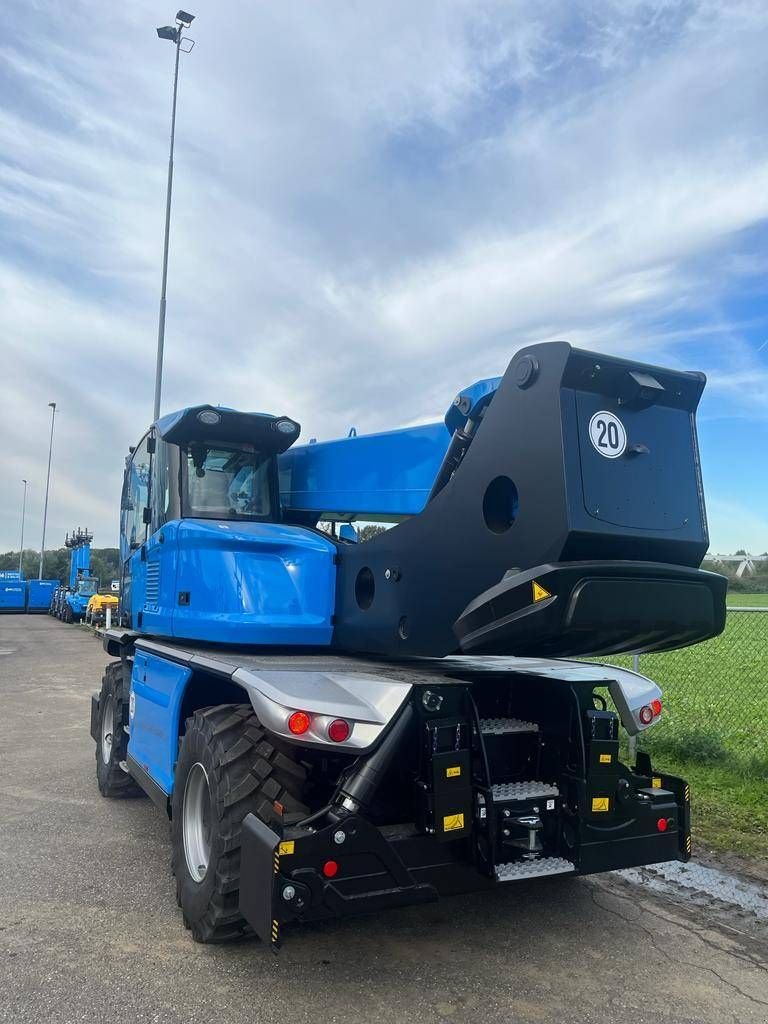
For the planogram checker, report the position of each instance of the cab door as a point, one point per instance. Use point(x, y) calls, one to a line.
point(134, 515)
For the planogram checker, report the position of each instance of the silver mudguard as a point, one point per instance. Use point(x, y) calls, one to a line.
point(368, 703)
point(630, 690)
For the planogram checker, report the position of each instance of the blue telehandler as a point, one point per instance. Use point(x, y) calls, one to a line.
point(70, 603)
point(335, 726)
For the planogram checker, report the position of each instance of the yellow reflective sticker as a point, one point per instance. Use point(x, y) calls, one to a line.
point(452, 822)
point(286, 848)
point(539, 593)
point(656, 782)
point(606, 758)
point(600, 803)
point(451, 773)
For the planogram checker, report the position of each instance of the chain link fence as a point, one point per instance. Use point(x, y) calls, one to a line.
point(715, 697)
point(714, 732)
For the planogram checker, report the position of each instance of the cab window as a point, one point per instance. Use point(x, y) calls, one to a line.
point(136, 497)
point(227, 482)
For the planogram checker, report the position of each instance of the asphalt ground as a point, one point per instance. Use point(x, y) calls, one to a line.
point(90, 931)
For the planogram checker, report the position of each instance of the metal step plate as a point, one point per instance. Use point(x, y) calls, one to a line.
point(504, 726)
point(522, 791)
point(518, 869)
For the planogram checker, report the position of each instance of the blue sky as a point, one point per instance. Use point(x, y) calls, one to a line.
point(375, 205)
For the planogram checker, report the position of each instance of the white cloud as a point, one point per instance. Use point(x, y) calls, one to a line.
point(373, 206)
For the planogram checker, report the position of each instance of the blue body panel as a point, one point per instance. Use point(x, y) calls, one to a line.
point(78, 603)
point(387, 474)
point(470, 402)
point(235, 583)
point(157, 686)
point(39, 594)
point(79, 563)
point(13, 594)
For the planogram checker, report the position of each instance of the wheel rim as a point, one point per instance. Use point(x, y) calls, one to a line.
point(196, 822)
point(107, 729)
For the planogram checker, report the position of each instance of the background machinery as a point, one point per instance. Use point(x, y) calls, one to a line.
point(337, 727)
point(70, 603)
point(96, 609)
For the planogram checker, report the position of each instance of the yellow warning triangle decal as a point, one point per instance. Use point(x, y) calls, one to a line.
point(539, 593)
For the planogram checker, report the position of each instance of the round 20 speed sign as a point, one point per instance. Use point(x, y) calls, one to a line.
point(607, 434)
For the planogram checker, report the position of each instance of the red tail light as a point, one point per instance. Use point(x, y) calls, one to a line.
point(662, 824)
point(330, 869)
point(338, 730)
point(646, 715)
point(656, 707)
point(299, 722)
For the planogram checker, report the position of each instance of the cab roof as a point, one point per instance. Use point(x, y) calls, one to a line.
point(217, 423)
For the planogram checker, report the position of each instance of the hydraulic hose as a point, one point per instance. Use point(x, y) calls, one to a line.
point(356, 792)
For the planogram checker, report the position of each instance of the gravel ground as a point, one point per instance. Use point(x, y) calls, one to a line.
point(89, 929)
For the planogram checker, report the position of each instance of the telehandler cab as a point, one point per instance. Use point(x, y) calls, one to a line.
point(336, 727)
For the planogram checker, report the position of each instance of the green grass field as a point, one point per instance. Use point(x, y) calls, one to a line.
point(714, 729)
point(746, 600)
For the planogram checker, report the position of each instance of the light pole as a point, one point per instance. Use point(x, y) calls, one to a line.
point(52, 407)
point(23, 513)
point(173, 35)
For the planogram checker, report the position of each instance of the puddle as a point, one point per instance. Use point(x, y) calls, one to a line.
point(669, 878)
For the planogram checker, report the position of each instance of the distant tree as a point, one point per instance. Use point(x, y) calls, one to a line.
point(369, 531)
point(105, 563)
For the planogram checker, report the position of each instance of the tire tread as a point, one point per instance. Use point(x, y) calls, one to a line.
point(249, 775)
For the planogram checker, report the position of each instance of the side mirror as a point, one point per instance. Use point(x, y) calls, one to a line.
point(146, 516)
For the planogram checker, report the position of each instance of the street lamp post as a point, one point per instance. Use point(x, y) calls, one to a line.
point(52, 407)
point(172, 34)
point(23, 514)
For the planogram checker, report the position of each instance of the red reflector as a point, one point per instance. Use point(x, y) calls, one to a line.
point(646, 715)
point(299, 722)
point(330, 868)
point(661, 824)
point(338, 730)
point(656, 707)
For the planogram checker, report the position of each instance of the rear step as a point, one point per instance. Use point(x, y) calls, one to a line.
point(505, 726)
point(503, 791)
point(517, 869)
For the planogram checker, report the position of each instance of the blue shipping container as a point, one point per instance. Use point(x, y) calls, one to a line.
point(39, 594)
point(13, 595)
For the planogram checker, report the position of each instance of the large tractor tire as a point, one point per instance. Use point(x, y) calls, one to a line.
point(112, 744)
point(228, 767)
